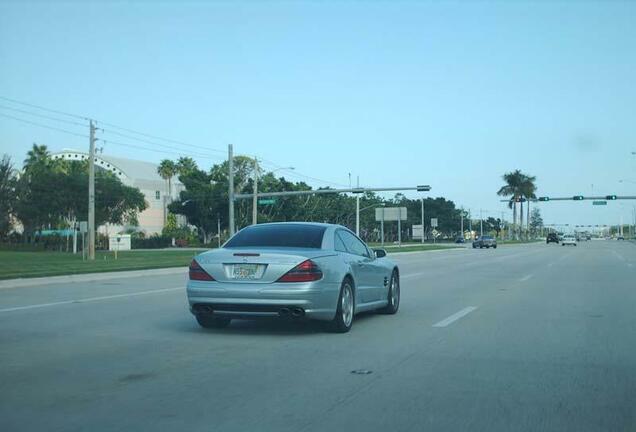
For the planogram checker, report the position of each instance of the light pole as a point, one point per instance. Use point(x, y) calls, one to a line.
point(422, 220)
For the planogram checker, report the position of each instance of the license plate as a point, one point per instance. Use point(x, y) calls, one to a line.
point(244, 271)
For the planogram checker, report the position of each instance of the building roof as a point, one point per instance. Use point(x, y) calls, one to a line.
point(123, 168)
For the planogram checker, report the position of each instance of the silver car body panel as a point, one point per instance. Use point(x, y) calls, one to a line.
point(318, 299)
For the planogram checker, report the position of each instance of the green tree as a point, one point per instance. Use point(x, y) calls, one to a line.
point(536, 221)
point(186, 165)
point(527, 189)
point(167, 170)
point(8, 184)
point(513, 189)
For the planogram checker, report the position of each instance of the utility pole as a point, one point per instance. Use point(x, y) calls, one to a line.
point(399, 226)
point(230, 191)
point(91, 194)
point(218, 229)
point(358, 210)
point(481, 224)
point(422, 220)
point(382, 227)
point(461, 224)
point(255, 199)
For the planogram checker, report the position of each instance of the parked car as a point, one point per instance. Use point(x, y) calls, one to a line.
point(620, 237)
point(485, 242)
point(568, 240)
point(460, 240)
point(552, 238)
point(292, 270)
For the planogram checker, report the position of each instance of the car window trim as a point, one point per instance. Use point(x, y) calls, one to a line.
point(367, 255)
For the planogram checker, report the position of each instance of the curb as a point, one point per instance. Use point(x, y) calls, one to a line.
point(88, 277)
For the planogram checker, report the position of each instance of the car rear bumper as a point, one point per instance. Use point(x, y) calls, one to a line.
point(317, 300)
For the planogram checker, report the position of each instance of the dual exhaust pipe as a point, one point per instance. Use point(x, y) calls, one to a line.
point(295, 312)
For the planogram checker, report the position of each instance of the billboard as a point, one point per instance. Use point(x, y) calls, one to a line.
point(389, 214)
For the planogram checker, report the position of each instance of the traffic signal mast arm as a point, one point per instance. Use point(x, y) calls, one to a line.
point(421, 188)
point(581, 198)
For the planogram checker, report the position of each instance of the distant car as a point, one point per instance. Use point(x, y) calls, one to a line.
point(568, 240)
point(552, 238)
point(588, 238)
point(620, 238)
point(460, 240)
point(485, 242)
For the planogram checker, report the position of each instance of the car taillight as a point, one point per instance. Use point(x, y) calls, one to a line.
point(197, 273)
point(306, 271)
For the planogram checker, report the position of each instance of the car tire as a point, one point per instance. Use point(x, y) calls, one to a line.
point(474, 246)
point(345, 310)
point(494, 247)
point(207, 321)
point(393, 296)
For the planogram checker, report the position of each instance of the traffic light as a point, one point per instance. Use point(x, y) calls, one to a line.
point(577, 197)
point(610, 197)
point(544, 198)
point(423, 188)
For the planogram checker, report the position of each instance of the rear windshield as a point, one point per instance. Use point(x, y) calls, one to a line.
point(487, 238)
point(283, 235)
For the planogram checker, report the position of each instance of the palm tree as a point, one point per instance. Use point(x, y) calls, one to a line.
point(38, 154)
point(528, 189)
point(186, 165)
point(167, 169)
point(512, 189)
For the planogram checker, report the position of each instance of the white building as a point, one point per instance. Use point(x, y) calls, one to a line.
point(139, 174)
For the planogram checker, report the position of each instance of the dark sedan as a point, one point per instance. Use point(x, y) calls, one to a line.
point(485, 242)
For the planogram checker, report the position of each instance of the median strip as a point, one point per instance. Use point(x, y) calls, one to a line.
point(454, 317)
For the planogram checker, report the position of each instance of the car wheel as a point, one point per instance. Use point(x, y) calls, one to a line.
point(207, 321)
point(474, 247)
point(494, 247)
point(344, 312)
point(393, 296)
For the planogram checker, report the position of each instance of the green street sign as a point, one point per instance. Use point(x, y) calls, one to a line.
point(267, 201)
point(599, 202)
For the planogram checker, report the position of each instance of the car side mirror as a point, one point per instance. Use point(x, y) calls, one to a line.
point(379, 253)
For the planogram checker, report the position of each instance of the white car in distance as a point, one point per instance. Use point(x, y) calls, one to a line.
point(568, 240)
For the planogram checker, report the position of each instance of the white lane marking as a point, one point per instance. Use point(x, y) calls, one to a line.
point(619, 256)
point(454, 317)
point(91, 299)
point(525, 278)
point(550, 264)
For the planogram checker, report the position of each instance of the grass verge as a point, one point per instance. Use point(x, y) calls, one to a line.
point(39, 264)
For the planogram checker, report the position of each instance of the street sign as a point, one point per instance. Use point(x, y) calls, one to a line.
point(388, 214)
point(417, 232)
point(83, 226)
point(434, 222)
point(599, 202)
point(435, 233)
point(269, 201)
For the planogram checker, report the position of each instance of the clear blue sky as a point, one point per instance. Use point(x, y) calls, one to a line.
point(448, 94)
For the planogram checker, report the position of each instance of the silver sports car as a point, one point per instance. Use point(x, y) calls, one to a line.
point(292, 270)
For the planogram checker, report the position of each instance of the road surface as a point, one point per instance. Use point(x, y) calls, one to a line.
point(522, 338)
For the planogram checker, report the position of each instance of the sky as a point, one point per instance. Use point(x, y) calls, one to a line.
point(450, 94)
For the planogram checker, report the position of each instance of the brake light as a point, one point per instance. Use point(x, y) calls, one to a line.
point(197, 273)
point(306, 271)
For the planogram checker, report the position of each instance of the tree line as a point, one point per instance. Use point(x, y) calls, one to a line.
point(49, 193)
point(204, 202)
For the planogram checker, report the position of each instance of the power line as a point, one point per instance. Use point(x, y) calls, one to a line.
point(44, 126)
point(156, 137)
point(297, 174)
point(174, 149)
point(43, 116)
point(44, 108)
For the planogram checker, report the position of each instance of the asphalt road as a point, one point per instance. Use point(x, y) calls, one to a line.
point(521, 338)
